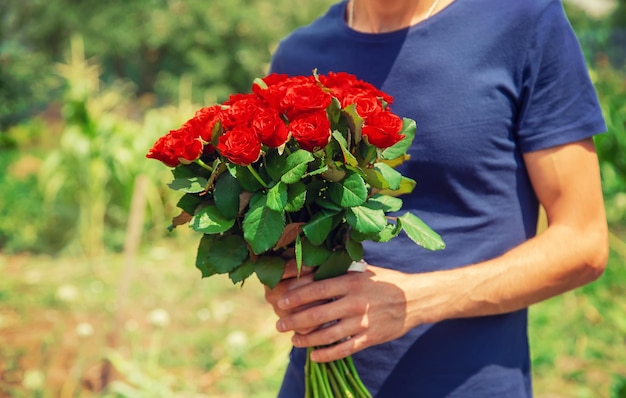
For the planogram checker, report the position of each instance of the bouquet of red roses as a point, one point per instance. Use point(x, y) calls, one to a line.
point(300, 167)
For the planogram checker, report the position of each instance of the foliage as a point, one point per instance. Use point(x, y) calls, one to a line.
point(86, 178)
point(603, 44)
point(220, 46)
point(224, 344)
point(611, 147)
point(583, 353)
point(302, 163)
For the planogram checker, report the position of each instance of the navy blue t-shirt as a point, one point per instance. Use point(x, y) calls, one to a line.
point(486, 81)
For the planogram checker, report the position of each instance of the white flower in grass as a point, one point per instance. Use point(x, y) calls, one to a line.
point(84, 329)
point(34, 379)
point(237, 340)
point(67, 293)
point(159, 317)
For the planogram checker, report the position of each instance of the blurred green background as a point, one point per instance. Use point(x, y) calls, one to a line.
point(97, 299)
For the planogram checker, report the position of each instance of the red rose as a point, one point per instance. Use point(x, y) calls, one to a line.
point(339, 83)
point(365, 104)
point(270, 127)
point(241, 110)
point(303, 98)
point(204, 120)
point(241, 145)
point(277, 86)
point(269, 80)
point(344, 85)
point(178, 146)
point(382, 129)
point(311, 130)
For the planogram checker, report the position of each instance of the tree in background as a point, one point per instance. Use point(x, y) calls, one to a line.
point(221, 46)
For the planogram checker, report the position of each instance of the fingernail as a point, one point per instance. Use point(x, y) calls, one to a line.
point(281, 326)
point(283, 302)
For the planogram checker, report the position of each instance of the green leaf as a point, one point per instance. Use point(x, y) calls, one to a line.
point(336, 264)
point(226, 195)
point(366, 220)
point(335, 171)
point(401, 147)
point(375, 178)
point(354, 249)
point(318, 228)
point(189, 202)
point(242, 272)
point(313, 255)
point(262, 226)
point(277, 197)
point(189, 185)
point(391, 176)
point(269, 270)
point(296, 166)
point(355, 121)
point(386, 202)
point(296, 196)
point(388, 233)
point(406, 186)
point(298, 253)
point(334, 110)
point(347, 156)
point(275, 164)
point(421, 233)
point(210, 221)
point(327, 204)
point(183, 171)
point(226, 253)
point(205, 246)
point(350, 192)
point(361, 237)
point(244, 177)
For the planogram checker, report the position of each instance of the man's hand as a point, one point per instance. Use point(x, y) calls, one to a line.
point(347, 313)
point(290, 280)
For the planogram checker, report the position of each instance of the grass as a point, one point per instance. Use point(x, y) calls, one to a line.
point(578, 339)
point(181, 336)
point(177, 335)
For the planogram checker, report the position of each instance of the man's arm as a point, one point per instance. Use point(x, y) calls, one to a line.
point(380, 304)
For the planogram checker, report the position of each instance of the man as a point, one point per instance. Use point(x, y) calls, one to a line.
point(505, 116)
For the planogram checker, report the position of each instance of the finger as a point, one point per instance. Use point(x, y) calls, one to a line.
point(332, 334)
point(317, 291)
point(340, 350)
point(291, 269)
point(313, 317)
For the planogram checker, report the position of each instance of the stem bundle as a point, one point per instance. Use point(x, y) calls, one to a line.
point(336, 379)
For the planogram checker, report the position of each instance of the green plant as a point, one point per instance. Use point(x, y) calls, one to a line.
point(611, 146)
point(302, 167)
point(90, 174)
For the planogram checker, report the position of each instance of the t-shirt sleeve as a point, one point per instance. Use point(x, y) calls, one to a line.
point(559, 103)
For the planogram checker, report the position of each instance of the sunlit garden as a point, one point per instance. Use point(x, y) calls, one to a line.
point(99, 299)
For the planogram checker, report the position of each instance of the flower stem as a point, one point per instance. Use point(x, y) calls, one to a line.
point(353, 376)
point(257, 176)
point(322, 380)
point(341, 380)
point(200, 163)
point(333, 384)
